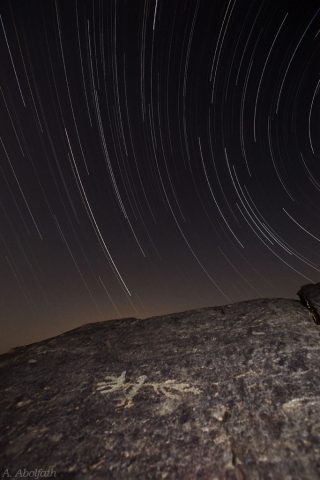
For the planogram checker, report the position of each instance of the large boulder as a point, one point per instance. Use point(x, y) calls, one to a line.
point(229, 392)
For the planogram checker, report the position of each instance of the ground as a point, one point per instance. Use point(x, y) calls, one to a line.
point(228, 392)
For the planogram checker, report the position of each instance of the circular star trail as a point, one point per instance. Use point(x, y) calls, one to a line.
point(155, 156)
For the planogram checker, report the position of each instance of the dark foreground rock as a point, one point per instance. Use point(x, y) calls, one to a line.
point(310, 297)
point(229, 392)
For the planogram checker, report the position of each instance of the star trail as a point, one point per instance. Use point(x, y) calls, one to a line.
point(155, 156)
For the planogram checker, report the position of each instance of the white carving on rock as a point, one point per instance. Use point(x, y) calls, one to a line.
point(169, 388)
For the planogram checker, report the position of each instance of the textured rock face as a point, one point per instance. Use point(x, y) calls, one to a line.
point(229, 392)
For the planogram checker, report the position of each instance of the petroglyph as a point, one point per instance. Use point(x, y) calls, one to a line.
point(169, 388)
point(299, 402)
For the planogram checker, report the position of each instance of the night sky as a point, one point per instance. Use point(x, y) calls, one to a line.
point(155, 156)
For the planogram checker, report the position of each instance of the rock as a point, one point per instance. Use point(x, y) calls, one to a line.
point(310, 297)
point(227, 392)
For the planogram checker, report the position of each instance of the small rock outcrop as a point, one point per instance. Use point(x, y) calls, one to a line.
point(310, 297)
point(228, 392)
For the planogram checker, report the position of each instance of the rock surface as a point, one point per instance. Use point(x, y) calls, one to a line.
point(227, 392)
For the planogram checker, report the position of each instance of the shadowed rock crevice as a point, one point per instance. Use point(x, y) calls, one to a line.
point(228, 392)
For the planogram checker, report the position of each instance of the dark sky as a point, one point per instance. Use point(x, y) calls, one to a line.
point(155, 156)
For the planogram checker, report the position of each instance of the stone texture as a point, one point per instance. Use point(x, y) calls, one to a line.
point(228, 392)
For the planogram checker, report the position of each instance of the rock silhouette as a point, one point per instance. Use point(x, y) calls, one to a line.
point(310, 297)
point(228, 392)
